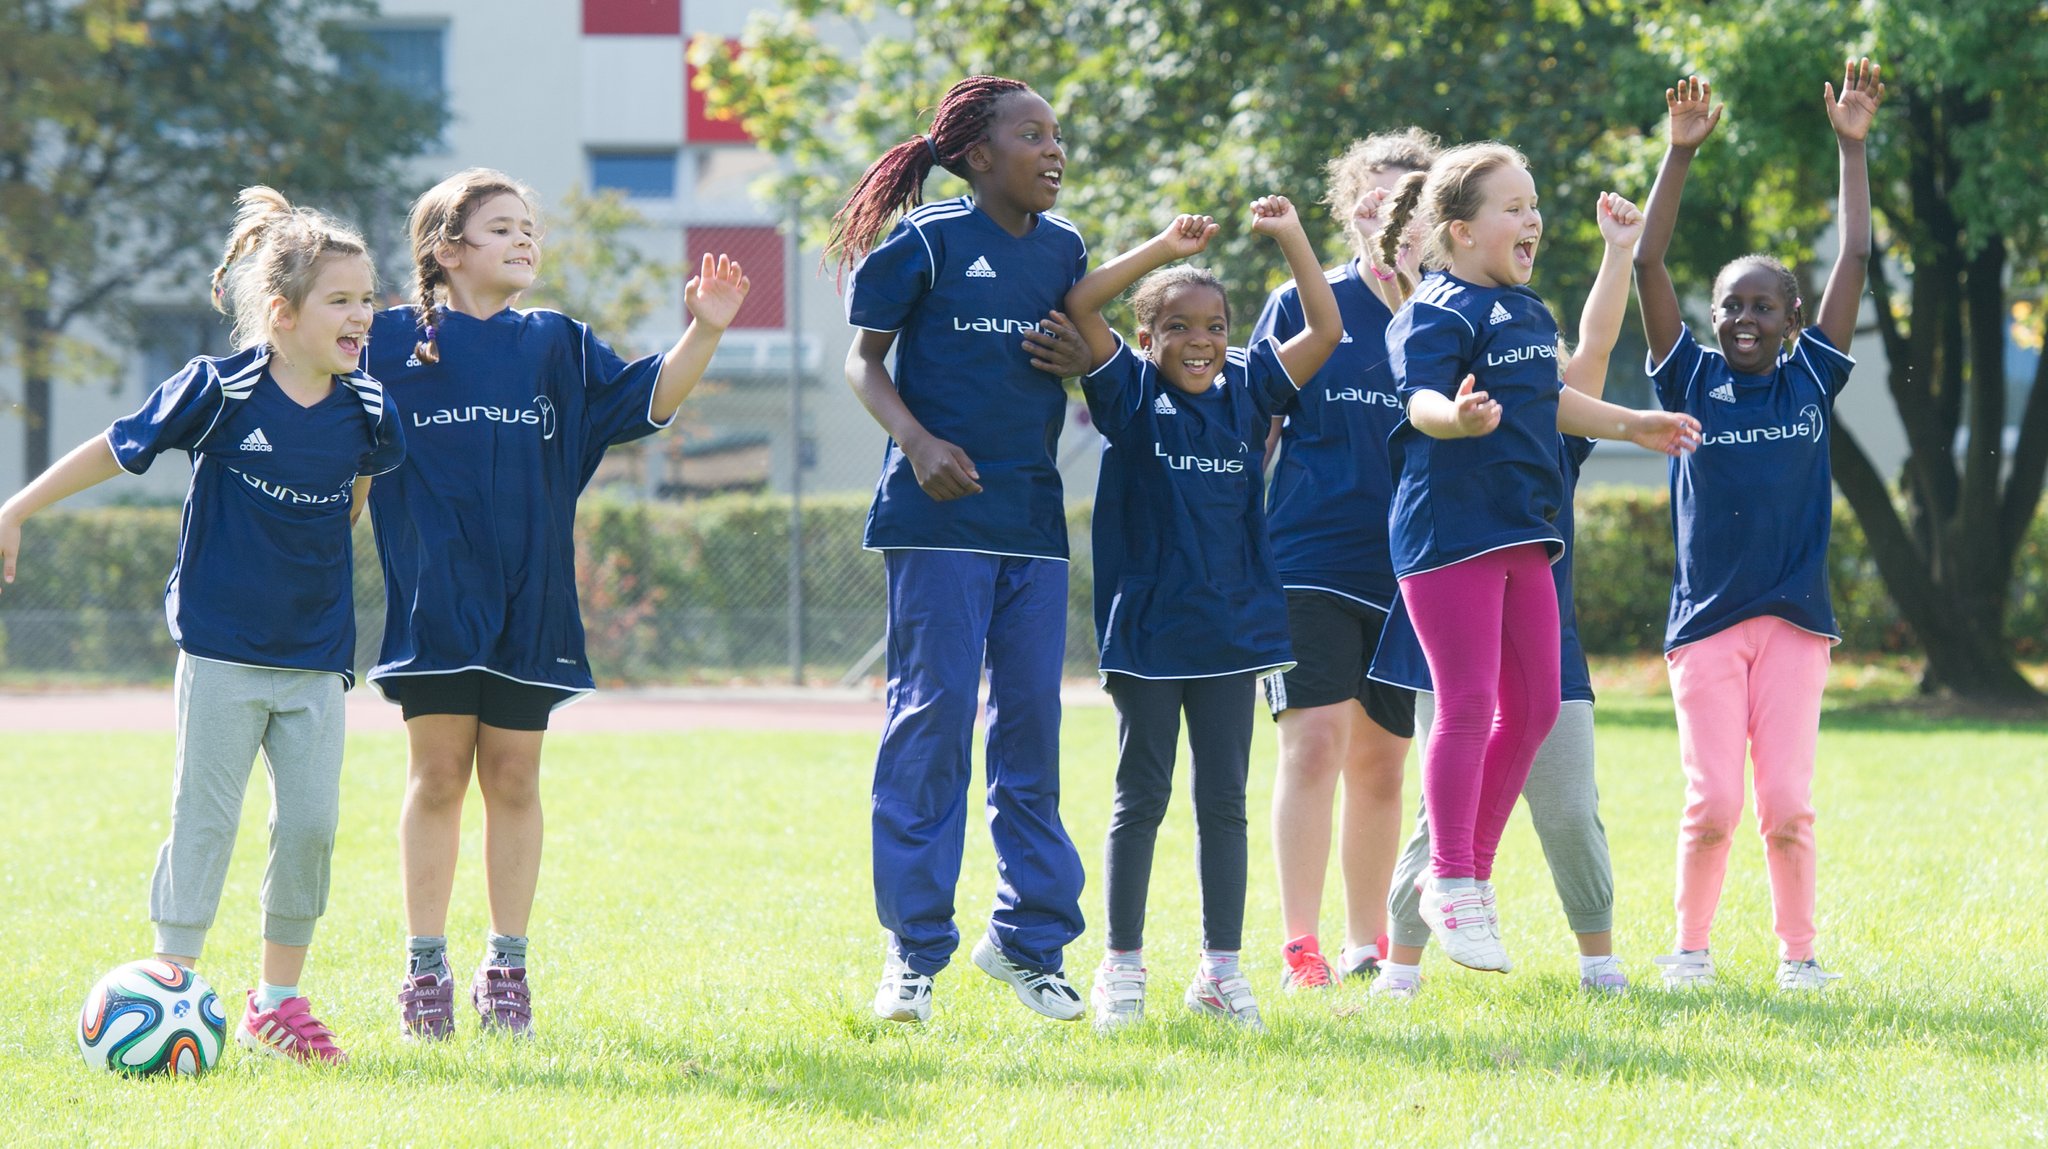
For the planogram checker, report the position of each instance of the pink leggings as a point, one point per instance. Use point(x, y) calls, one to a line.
point(1488, 626)
point(1752, 691)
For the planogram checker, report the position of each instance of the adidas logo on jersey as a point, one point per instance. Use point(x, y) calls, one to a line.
point(1725, 393)
point(413, 360)
point(1164, 406)
point(980, 269)
point(1498, 315)
point(256, 441)
point(1346, 339)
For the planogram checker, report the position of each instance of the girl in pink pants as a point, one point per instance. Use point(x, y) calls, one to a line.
point(1751, 624)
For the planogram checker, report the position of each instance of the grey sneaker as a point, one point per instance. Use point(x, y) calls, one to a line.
point(502, 999)
point(426, 1007)
point(1046, 992)
point(1119, 995)
point(1800, 976)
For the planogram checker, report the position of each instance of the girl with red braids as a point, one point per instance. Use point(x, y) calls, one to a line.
point(970, 520)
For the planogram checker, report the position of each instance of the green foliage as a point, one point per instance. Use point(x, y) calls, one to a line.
point(595, 271)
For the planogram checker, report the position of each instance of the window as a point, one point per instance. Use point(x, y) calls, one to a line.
point(410, 59)
point(699, 127)
point(632, 17)
point(761, 255)
point(639, 175)
point(167, 338)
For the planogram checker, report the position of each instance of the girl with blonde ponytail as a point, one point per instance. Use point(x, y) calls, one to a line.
point(283, 435)
point(509, 411)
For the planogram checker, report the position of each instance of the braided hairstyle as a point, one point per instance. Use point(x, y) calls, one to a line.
point(895, 182)
point(275, 251)
point(1787, 283)
point(435, 224)
point(1453, 189)
point(1349, 175)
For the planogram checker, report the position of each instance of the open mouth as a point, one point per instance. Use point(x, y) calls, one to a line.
point(1744, 341)
point(1051, 176)
point(1196, 368)
point(1525, 252)
point(351, 345)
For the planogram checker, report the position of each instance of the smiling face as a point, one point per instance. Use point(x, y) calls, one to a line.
point(1497, 246)
point(1022, 162)
point(1188, 335)
point(1752, 316)
point(328, 331)
point(500, 249)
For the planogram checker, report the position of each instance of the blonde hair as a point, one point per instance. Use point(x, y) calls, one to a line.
point(436, 221)
point(1452, 190)
point(1347, 176)
point(275, 250)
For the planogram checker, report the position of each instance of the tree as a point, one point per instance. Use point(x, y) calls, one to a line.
point(126, 128)
point(593, 273)
point(1200, 105)
point(1957, 173)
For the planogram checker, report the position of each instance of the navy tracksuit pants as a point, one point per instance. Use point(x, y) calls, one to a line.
point(954, 615)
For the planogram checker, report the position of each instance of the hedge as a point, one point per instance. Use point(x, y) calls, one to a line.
point(695, 590)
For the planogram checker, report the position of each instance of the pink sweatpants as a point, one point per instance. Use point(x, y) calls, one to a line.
point(1753, 691)
point(1488, 627)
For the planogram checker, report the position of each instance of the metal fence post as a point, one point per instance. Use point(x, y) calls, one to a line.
point(793, 291)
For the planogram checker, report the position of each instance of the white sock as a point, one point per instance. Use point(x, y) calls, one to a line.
point(1396, 970)
point(1589, 963)
point(270, 996)
point(1220, 964)
point(1133, 958)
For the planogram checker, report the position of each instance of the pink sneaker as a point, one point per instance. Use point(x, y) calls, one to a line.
point(1306, 968)
point(426, 1007)
point(502, 999)
point(290, 1031)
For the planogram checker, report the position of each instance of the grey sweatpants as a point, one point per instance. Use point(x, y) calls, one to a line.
point(226, 713)
point(1565, 806)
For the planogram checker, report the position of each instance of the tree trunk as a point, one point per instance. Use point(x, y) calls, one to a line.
point(38, 345)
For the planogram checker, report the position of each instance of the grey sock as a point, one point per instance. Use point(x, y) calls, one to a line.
point(426, 955)
point(507, 950)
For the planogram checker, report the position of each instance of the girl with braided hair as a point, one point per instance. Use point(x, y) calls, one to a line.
point(283, 436)
point(509, 411)
point(969, 517)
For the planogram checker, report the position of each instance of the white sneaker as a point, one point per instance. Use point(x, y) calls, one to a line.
point(1457, 917)
point(905, 994)
point(1229, 998)
point(1395, 985)
point(1603, 976)
point(1687, 969)
point(1488, 903)
point(1800, 976)
point(1047, 993)
point(1118, 996)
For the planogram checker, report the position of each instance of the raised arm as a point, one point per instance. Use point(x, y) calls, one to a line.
point(713, 296)
point(1600, 323)
point(1851, 113)
point(88, 464)
point(1185, 236)
point(1693, 116)
point(1309, 349)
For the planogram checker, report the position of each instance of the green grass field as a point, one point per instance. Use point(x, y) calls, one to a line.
point(705, 948)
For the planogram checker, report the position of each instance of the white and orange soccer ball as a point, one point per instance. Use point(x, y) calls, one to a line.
point(151, 1016)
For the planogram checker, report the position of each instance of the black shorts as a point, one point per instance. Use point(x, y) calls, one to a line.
point(1334, 639)
point(494, 699)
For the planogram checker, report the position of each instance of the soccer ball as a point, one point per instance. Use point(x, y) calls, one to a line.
point(151, 1016)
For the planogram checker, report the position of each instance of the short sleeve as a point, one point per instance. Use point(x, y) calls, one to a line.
point(1429, 348)
point(387, 446)
point(1673, 377)
point(888, 284)
point(1829, 365)
point(1281, 319)
point(1115, 391)
point(1273, 391)
point(618, 396)
point(175, 417)
point(1578, 450)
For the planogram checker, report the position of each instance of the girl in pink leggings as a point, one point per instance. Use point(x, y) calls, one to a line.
point(1751, 624)
point(1472, 524)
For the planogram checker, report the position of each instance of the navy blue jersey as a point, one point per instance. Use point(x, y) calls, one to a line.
point(1184, 578)
point(1399, 659)
point(960, 292)
point(1457, 498)
point(476, 530)
point(1751, 508)
point(1328, 508)
point(264, 565)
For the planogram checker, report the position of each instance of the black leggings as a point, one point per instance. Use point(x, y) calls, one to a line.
point(1148, 712)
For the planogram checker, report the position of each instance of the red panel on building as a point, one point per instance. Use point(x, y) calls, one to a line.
point(699, 127)
point(761, 256)
point(632, 17)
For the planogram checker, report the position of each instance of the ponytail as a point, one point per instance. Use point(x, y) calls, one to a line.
point(895, 183)
point(274, 250)
point(1400, 210)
